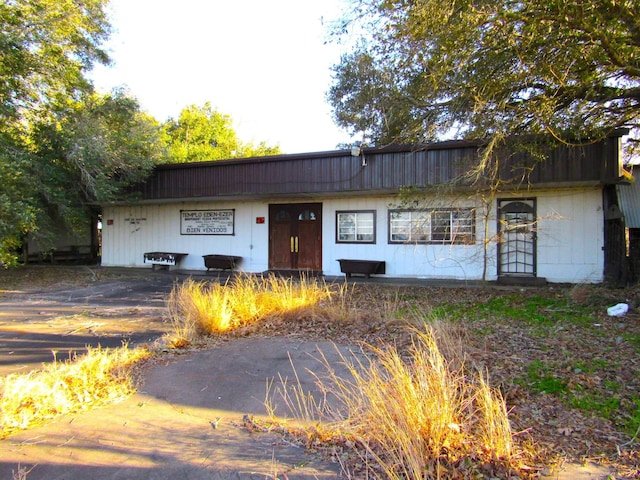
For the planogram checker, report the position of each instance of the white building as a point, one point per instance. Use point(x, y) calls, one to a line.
point(308, 211)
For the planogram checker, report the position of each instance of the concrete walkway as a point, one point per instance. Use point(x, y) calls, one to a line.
point(185, 422)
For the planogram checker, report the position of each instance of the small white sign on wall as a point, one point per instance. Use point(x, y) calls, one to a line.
point(207, 222)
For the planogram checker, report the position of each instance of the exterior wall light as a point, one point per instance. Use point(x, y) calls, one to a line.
point(356, 151)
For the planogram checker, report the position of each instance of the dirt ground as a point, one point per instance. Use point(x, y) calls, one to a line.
point(64, 309)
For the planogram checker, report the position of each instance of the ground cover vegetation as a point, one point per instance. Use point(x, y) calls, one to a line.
point(567, 372)
point(405, 414)
point(512, 380)
point(99, 377)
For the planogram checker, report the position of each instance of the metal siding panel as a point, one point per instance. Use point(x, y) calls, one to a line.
point(440, 166)
point(406, 172)
point(422, 168)
point(629, 199)
point(386, 170)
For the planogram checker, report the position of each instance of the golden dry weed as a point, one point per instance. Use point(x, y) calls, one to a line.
point(99, 377)
point(412, 416)
point(205, 308)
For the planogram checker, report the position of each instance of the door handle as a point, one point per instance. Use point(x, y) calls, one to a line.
point(293, 247)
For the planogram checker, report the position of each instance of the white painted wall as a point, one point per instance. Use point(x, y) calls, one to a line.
point(461, 262)
point(570, 238)
point(147, 228)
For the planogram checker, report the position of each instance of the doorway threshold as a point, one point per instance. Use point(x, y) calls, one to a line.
point(522, 280)
point(293, 273)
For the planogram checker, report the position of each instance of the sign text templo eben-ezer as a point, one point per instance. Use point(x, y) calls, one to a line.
point(206, 222)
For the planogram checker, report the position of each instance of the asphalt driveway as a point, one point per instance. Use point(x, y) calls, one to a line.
point(185, 421)
point(38, 324)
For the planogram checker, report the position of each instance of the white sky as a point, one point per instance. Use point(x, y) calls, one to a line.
point(264, 62)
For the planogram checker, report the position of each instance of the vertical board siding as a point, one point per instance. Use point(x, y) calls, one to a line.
point(386, 170)
point(570, 237)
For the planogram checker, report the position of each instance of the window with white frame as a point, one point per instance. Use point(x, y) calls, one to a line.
point(443, 225)
point(357, 226)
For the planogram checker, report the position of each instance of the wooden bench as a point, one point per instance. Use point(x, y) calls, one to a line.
point(163, 259)
point(221, 262)
point(79, 254)
point(363, 267)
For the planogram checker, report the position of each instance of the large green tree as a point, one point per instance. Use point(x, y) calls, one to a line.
point(46, 47)
point(18, 213)
point(81, 154)
point(62, 148)
point(426, 69)
point(87, 154)
point(203, 133)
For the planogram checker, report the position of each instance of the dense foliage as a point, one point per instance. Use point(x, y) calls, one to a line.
point(428, 69)
point(46, 48)
point(88, 153)
point(64, 149)
point(203, 133)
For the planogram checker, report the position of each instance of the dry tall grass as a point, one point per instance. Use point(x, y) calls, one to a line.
point(410, 417)
point(418, 415)
point(100, 377)
point(203, 308)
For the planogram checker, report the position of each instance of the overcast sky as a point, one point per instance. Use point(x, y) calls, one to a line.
point(264, 62)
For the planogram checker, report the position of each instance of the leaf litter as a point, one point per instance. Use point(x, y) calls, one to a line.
point(510, 333)
point(526, 339)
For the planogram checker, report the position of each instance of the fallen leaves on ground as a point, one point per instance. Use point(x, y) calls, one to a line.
point(529, 340)
point(508, 333)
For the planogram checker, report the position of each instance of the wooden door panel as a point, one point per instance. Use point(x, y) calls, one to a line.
point(308, 251)
point(295, 236)
point(309, 234)
point(280, 255)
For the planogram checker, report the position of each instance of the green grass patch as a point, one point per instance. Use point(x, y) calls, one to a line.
point(590, 367)
point(540, 379)
point(452, 312)
point(631, 424)
point(602, 406)
point(535, 310)
point(632, 339)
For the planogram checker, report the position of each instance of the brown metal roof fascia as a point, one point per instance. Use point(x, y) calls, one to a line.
point(395, 148)
point(386, 170)
point(380, 170)
point(254, 160)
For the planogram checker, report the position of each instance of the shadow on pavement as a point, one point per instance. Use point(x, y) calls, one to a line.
point(186, 421)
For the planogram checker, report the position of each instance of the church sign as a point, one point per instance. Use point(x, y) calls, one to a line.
point(207, 222)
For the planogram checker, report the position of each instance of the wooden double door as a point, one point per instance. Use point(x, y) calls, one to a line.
point(295, 236)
